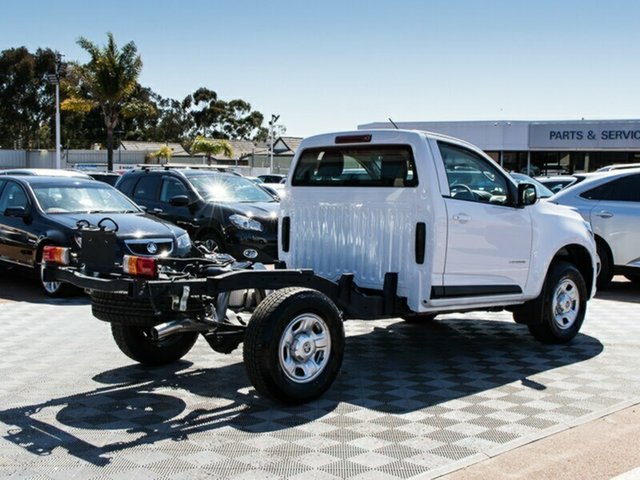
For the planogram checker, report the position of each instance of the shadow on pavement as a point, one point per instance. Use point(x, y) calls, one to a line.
point(397, 369)
point(20, 286)
point(620, 290)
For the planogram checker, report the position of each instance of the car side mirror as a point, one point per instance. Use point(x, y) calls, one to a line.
point(179, 201)
point(527, 194)
point(19, 212)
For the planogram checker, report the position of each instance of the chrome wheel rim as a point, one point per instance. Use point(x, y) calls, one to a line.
point(566, 304)
point(50, 287)
point(304, 348)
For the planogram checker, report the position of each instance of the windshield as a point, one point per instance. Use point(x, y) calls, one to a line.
point(541, 190)
point(82, 199)
point(229, 188)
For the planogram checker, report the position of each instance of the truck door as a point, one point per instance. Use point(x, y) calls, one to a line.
point(488, 238)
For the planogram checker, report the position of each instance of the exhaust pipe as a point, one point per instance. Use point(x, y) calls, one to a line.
point(164, 330)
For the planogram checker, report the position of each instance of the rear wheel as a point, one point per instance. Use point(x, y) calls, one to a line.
point(606, 266)
point(138, 344)
point(294, 345)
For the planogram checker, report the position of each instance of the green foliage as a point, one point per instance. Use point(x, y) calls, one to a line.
point(27, 101)
point(163, 154)
point(104, 94)
point(211, 148)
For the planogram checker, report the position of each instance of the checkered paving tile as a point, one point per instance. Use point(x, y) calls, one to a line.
point(411, 400)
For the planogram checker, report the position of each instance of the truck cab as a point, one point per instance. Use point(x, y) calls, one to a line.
point(450, 222)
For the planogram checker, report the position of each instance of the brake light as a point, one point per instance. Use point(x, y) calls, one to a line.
point(140, 266)
point(58, 255)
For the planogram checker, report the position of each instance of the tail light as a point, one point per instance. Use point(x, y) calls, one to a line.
point(57, 255)
point(140, 266)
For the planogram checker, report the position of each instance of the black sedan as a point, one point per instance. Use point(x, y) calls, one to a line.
point(36, 211)
point(224, 211)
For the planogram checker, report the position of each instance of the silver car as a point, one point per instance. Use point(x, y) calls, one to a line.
point(610, 202)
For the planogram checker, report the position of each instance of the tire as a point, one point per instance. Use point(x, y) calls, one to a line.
point(606, 266)
point(54, 289)
point(633, 277)
point(420, 318)
point(557, 314)
point(213, 241)
point(294, 345)
point(137, 344)
point(119, 308)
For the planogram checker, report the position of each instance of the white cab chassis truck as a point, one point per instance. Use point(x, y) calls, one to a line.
point(373, 224)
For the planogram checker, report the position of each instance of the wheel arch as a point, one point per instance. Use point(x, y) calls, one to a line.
point(579, 256)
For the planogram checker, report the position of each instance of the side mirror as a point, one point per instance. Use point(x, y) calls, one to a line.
point(527, 194)
point(179, 201)
point(19, 212)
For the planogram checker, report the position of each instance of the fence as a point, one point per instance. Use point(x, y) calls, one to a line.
point(97, 160)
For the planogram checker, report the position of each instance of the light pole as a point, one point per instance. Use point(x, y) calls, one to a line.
point(54, 79)
point(274, 119)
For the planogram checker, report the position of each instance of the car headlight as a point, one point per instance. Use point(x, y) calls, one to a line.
point(184, 241)
point(245, 223)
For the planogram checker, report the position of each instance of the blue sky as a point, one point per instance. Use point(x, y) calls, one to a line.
point(329, 65)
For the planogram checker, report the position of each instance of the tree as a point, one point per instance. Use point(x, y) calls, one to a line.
point(164, 153)
point(26, 100)
point(216, 118)
point(106, 82)
point(211, 147)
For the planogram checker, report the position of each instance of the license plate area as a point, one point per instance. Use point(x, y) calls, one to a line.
point(98, 252)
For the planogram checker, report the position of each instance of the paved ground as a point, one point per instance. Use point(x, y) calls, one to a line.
point(412, 401)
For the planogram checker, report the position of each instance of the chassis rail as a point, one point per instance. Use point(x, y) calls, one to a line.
point(353, 302)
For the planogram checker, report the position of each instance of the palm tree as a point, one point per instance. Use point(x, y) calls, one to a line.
point(211, 147)
point(107, 82)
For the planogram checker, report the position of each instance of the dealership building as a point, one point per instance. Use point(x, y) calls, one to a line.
point(543, 147)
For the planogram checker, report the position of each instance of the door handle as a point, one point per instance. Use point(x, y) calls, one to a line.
point(157, 210)
point(461, 218)
point(603, 214)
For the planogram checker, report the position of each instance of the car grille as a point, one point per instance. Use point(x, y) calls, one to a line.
point(163, 246)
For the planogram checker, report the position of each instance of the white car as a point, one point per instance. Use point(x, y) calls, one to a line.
point(610, 201)
point(48, 172)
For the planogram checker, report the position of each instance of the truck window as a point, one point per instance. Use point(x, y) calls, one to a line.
point(366, 166)
point(472, 177)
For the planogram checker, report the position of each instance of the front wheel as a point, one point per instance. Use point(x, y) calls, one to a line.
point(53, 289)
point(294, 345)
point(138, 344)
point(562, 305)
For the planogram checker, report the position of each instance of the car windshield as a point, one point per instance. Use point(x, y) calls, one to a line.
point(82, 199)
point(229, 188)
point(541, 190)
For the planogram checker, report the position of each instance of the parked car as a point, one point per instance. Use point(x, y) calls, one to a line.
point(618, 166)
point(541, 190)
point(40, 210)
point(610, 201)
point(272, 178)
point(107, 177)
point(555, 183)
point(222, 210)
point(49, 172)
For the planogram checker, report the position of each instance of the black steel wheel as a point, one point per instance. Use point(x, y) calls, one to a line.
point(294, 345)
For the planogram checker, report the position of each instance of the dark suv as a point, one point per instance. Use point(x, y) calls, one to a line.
point(221, 210)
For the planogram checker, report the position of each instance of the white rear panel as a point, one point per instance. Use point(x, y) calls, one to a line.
point(364, 231)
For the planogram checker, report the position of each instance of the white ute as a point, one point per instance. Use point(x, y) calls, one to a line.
point(373, 224)
point(445, 219)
